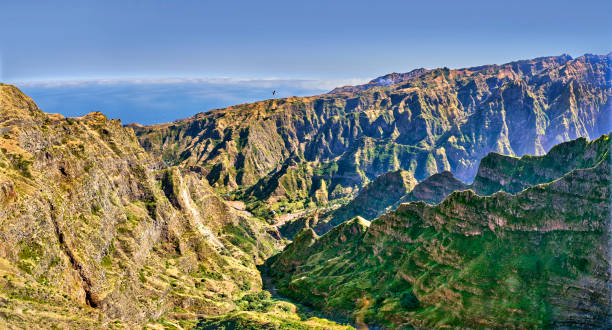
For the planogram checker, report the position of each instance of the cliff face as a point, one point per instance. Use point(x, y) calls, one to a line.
point(539, 258)
point(93, 230)
point(424, 122)
point(496, 172)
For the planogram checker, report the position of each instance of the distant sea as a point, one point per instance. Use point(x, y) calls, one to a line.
point(158, 102)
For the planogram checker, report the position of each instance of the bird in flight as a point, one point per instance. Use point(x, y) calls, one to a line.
point(274, 92)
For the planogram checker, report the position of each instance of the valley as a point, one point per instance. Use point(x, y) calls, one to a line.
point(475, 197)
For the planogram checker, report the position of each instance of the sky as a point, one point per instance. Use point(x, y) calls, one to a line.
point(142, 54)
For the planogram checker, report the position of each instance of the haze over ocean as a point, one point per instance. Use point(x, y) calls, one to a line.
point(149, 102)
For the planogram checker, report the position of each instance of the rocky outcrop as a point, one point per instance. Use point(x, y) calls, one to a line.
point(95, 231)
point(424, 122)
point(538, 258)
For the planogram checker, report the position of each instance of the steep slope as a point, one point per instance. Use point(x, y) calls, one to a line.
point(510, 174)
point(371, 201)
point(540, 258)
point(496, 172)
point(383, 191)
point(94, 232)
point(434, 189)
point(424, 122)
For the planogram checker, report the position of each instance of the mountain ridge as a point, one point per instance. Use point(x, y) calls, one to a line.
point(496, 172)
point(437, 120)
point(537, 258)
point(182, 224)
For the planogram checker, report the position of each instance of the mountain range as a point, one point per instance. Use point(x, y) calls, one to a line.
point(293, 153)
point(496, 172)
point(539, 258)
point(475, 198)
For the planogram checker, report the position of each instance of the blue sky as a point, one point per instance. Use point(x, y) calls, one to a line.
point(325, 42)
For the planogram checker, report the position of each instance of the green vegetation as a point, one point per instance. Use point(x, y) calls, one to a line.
point(471, 261)
point(258, 302)
point(22, 164)
point(498, 172)
point(203, 272)
point(260, 311)
point(371, 202)
point(99, 233)
point(239, 237)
